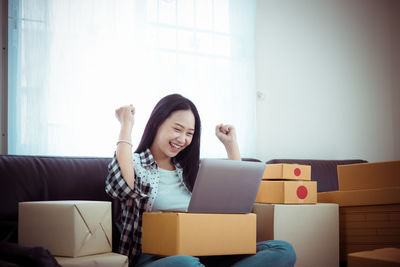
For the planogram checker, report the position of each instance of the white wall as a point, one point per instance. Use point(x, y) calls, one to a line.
point(328, 73)
point(395, 9)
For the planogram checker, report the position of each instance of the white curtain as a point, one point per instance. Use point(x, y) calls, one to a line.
point(72, 62)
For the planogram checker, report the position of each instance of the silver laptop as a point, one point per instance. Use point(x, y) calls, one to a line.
point(226, 186)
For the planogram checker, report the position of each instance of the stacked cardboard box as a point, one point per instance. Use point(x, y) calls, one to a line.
point(70, 230)
point(312, 230)
point(98, 260)
point(198, 234)
point(369, 200)
point(318, 224)
point(287, 184)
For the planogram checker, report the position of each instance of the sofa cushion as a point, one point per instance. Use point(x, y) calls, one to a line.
point(34, 178)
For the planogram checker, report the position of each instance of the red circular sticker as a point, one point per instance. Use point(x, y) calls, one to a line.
point(302, 192)
point(297, 172)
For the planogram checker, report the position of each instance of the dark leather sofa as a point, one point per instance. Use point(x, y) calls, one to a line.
point(39, 178)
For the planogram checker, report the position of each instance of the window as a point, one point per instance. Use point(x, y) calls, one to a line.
point(71, 63)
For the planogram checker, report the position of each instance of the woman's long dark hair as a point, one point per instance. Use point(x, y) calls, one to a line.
point(188, 158)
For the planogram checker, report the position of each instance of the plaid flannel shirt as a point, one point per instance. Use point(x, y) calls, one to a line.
point(135, 202)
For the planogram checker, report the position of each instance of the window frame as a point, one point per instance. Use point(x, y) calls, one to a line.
point(4, 77)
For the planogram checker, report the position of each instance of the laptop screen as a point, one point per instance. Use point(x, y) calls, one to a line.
point(226, 186)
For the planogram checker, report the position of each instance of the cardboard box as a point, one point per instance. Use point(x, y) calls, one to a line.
point(198, 234)
point(287, 172)
point(287, 192)
point(99, 260)
point(369, 175)
point(368, 227)
point(66, 228)
point(390, 195)
point(313, 230)
point(385, 257)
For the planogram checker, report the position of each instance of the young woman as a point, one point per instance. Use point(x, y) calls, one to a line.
point(160, 176)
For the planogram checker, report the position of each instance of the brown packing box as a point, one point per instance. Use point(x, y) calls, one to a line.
point(369, 175)
point(198, 234)
point(313, 230)
point(99, 260)
point(368, 227)
point(369, 219)
point(287, 192)
point(66, 228)
point(379, 196)
point(385, 257)
point(287, 171)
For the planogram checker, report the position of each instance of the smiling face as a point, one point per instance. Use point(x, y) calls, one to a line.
point(173, 135)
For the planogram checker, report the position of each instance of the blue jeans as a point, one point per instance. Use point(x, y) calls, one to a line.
point(274, 253)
